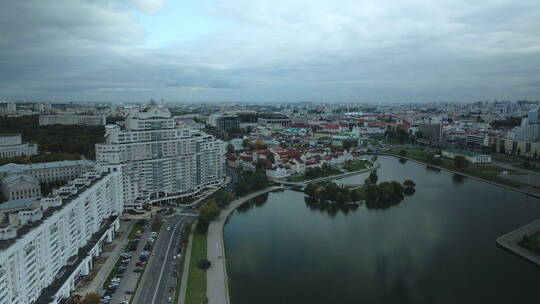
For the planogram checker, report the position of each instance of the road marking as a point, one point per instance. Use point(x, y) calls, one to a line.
point(165, 261)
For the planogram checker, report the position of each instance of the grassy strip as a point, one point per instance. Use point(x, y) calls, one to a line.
point(139, 226)
point(327, 173)
point(180, 271)
point(487, 172)
point(112, 274)
point(196, 284)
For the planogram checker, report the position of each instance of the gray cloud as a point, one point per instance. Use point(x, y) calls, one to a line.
point(274, 51)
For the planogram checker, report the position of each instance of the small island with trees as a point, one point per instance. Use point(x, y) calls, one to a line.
point(375, 195)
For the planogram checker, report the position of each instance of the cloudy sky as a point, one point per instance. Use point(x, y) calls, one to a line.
point(270, 50)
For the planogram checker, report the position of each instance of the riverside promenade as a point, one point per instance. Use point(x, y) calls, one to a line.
point(510, 241)
point(217, 288)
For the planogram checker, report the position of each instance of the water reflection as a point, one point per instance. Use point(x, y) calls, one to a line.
point(254, 202)
point(331, 208)
point(458, 179)
point(403, 160)
point(432, 169)
point(435, 246)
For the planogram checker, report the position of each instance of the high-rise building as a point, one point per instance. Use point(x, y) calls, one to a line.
point(224, 122)
point(159, 159)
point(431, 131)
point(11, 108)
point(529, 129)
point(48, 244)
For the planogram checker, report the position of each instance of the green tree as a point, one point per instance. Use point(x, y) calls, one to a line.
point(403, 152)
point(245, 143)
point(259, 181)
point(223, 198)
point(330, 191)
point(397, 188)
point(372, 192)
point(311, 189)
point(355, 196)
point(230, 148)
point(409, 183)
point(209, 212)
point(204, 264)
point(373, 177)
point(460, 162)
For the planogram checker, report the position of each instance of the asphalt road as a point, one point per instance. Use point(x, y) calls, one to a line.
point(159, 281)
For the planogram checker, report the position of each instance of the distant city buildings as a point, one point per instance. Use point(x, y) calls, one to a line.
point(11, 145)
point(529, 129)
point(83, 120)
point(283, 122)
point(224, 122)
point(159, 160)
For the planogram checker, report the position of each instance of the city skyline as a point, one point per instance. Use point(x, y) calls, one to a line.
point(254, 51)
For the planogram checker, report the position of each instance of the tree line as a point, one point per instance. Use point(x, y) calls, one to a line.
point(72, 139)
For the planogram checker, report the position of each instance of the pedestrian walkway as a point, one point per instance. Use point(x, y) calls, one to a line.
point(185, 272)
point(111, 257)
point(217, 289)
point(510, 241)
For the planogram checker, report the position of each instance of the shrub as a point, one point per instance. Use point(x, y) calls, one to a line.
point(204, 264)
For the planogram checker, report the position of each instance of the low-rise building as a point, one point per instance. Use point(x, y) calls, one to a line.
point(83, 120)
point(283, 122)
point(19, 186)
point(11, 145)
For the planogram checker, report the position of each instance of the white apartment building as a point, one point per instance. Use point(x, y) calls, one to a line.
point(48, 244)
point(159, 160)
point(11, 145)
point(68, 119)
point(529, 129)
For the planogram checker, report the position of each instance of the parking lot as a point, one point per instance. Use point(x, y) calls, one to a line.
point(133, 260)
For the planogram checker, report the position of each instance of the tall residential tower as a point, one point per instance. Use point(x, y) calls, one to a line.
point(158, 159)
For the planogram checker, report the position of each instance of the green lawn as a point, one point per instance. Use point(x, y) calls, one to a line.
point(355, 166)
point(196, 284)
point(296, 178)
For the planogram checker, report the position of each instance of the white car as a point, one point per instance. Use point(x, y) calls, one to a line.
point(168, 228)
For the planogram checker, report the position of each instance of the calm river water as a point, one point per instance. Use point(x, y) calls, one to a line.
point(437, 246)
